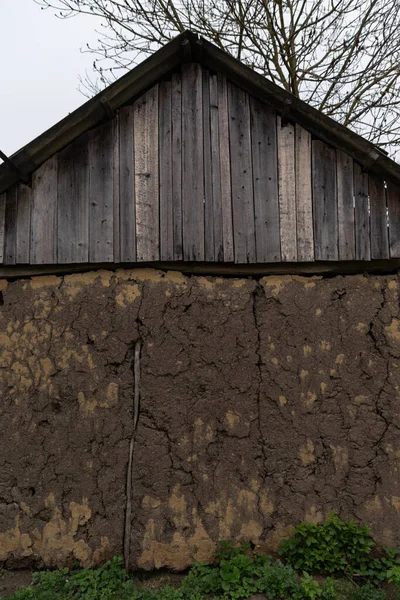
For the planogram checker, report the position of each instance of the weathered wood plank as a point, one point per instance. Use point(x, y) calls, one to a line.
point(209, 241)
point(287, 191)
point(101, 193)
point(241, 175)
point(345, 190)
point(225, 169)
point(379, 221)
point(218, 234)
point(23, 224)
point(393, 202)
point(165, 148)
point(44, 213)
point(116, 184)
point(2, 224)
point(304, 209)
point(147, 176)
point(265, 182)
point(192, 163)
point(176, 163)
point(324, 201)
point(127, 186)
point(73, 203)
point(10, 234)
point(361, 214)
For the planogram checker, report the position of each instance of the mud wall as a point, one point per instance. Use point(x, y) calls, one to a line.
point(262, 403)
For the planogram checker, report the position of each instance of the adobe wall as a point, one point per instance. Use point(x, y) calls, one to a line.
point(262, 403)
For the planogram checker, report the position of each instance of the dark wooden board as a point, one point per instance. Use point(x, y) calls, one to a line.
point(379, 220)
point(192, 163)
point(44, 213)
point(165, 150)
point(73, 202)
point(101, 194)
point(10, 233)
point(225, 169)
point(346, 217)
point(127, 186)
point(361, 214)
point(324, 201)
point(23, 224)
point(176, 162)
point(216, 184)
point(209, 241)
point(2, 224)
point(116, 184)
point(265, 182)
point(393, 202)
point(241, 175)
point(147, 176)
point(287, 190)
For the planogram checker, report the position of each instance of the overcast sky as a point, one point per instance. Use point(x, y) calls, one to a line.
point(40, 61)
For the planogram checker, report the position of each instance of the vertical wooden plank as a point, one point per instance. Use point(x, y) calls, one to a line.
point(101, 190)
point(192, 163)
point(2, 224)
point(127, 186)
point(73, 203)
point(225, 169)
point(216, 182)
point(265, 182)
point(44, 213)
point(379, 220)
point(10, 234)
point(346, 223)
point(287, 191)
point(209, 241)
point(146, 176)
point(241, 176)
point(393, 202)
point(165, 147)
point(305, 225)
point(116, 183)
point(324, 201)
point(361, 214)
point(23, 224)
point(176, 163)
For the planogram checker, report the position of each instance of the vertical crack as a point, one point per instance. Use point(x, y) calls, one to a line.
point(136, 409)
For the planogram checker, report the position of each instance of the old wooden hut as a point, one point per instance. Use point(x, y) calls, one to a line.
point(151, 409)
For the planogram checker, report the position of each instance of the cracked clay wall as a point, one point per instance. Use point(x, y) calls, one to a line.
point(262, 403)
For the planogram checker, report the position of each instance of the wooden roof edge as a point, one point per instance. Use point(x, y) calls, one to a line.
point(188, 46)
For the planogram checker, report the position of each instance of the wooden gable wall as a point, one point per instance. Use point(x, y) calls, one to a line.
point(198, 170)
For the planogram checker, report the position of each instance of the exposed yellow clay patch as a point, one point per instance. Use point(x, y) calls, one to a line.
point(307, 350)
point(3, 284)
point(374, 505)
point(308, 399)
point(318, 312)
point(392, 285)
point(340, 458)
point(393, 331)
point(332, 372)
point(15, 542)
point(362, 327)
point(272, 347)
point(88, 403)
point(232, 418)
point(274, 361)
point(324, 345)
point(306, 453)
point(177, 504)
point(44, 281)
point(282, 400)
point(75, 282)
point(238, 283)
point(303, 374)
point(309, 285)
point(25, 508)
point(313, 515)
point(127, 294)
point(149, 502)
point(289, 359)
point(339, 359)
point(266, 505)
point(323, 386)
point(276, 283)
point(202, 433)
point(395, 502)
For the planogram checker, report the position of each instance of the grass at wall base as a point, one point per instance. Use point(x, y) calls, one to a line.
point(333, 560)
